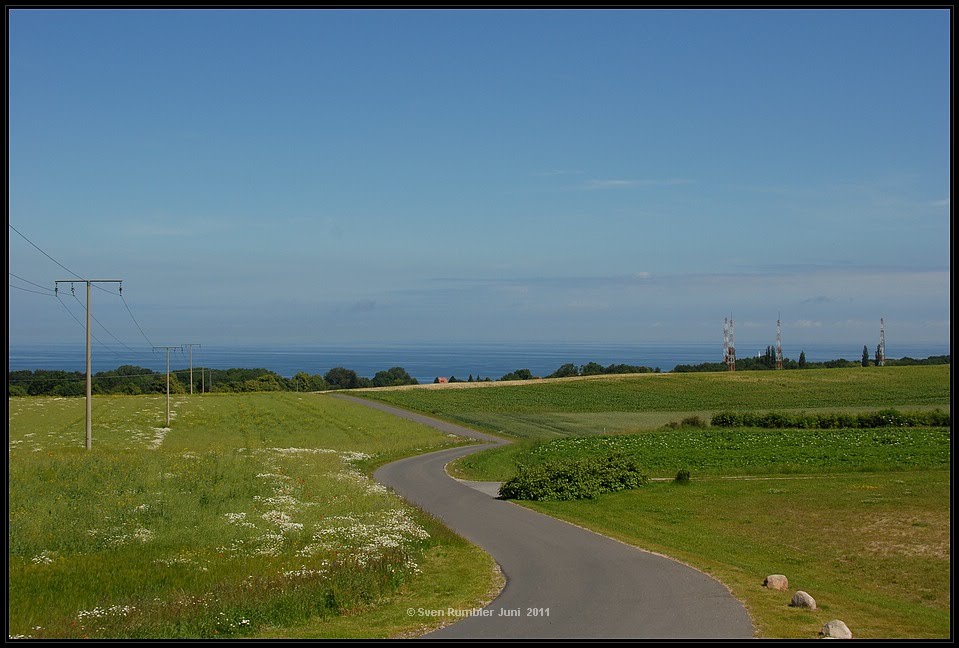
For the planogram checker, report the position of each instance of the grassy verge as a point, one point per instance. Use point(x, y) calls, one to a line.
point(254, 513)
point(872, 549)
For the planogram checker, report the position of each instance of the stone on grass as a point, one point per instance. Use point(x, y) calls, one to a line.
point(776, 582)
point(835, 629)
point(803, 600)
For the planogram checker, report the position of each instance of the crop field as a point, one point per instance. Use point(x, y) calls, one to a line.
point(859, 518)
point(253, 515)
point(549, 409)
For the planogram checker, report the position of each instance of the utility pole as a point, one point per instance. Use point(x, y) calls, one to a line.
point(726, 341)
point(56, 285)
point(168, 378)
point(191, 364)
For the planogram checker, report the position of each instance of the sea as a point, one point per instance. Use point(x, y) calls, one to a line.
point(425, 362)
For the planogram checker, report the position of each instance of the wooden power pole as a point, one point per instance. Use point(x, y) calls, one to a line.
point(168, 377)
point(88, 282)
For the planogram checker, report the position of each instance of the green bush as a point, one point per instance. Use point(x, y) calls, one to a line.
point(682, 477)
point(882, 418)
point(574, 479)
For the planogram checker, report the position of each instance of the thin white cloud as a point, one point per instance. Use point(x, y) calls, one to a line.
point(646, 182)
point(550, 174)
point(941, 203)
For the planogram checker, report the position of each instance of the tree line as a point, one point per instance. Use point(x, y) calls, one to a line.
point(568, 370)
point(133, 380)
point(767, 360)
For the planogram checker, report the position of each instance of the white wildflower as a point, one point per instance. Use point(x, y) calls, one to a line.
point(45, 557)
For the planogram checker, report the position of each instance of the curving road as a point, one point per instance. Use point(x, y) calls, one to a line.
point(562, 581)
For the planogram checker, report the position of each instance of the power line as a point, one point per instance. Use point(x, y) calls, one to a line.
point(35, 292)
point(133, 318)
point(95, 338)
point(57, 262)
point(42, 252)
point(30, 282)
point(106, 329)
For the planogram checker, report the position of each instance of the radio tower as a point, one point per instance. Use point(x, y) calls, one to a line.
point(731, 360)
point(779, 345)
point(726, 341)
point(881, 352)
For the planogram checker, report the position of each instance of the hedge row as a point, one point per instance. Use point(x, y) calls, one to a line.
point(882, 418)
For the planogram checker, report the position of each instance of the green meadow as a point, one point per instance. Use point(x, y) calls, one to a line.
point(253, 515)
point(858, 518)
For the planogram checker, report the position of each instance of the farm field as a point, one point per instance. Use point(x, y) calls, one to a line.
point(253, 515)
point(553, 408)
point(859, 518)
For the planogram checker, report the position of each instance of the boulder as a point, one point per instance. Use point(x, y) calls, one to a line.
point(835, 629)
point(776, 582)
point(803, 600)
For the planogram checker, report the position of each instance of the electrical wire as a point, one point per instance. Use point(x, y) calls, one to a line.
point(35, 292)
point(135, 320)
point(50, 290)
point(79, 278)
point(108, 331)
point(98, 341)
point(44, 253)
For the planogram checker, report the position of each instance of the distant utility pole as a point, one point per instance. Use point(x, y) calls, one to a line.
point(726, 341)
point(168, 377)
point(56, 285)
point(191, 365)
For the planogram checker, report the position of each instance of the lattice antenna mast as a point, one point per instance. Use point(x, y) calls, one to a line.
point(881, 354)
point(726, 341)
point(779, 344)
point(732, 347)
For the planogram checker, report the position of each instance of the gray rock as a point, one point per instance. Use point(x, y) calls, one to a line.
point(776, 582)
point(835, 629)
point(803, 600)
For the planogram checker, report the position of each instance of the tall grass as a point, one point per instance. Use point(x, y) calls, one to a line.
point(252, 511)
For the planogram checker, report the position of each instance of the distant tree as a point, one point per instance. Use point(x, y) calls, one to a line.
point(592, 369)
point(865, 355)
point(436, 380)
point(470, 379)
point(304, 382)
point(802, 359)
point(342, 378)
point(566, 371)
point(452, 379)
point(393, 377)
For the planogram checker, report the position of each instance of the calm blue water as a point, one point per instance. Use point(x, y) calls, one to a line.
point(425, 362)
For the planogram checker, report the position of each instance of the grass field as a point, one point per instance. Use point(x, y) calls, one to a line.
point(254, 515)
point(860, 519)
point(550, 409)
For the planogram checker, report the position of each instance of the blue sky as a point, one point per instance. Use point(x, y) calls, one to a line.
point(370, 176)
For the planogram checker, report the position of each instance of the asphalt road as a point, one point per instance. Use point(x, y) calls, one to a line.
point(562, 581)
